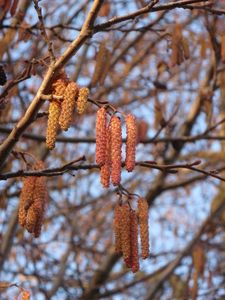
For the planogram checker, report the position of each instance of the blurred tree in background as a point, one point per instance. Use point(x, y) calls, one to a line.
point(162, 61)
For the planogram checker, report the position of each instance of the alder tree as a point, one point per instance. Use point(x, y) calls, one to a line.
point(112, 149)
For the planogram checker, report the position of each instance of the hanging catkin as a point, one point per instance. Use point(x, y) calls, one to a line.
point(131, 129)
point(116, 149)
point(223, 48)
point(101, 136)
point(134, 241)
point(125, 231)
point(82, 100)
point(105, 170)
point(144, 230)
point(58, 89)
point(32, 202)
point(68, 105)
point(116, 229)
point(26, 199)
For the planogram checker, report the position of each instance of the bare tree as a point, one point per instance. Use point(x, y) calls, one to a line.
point(164, 63)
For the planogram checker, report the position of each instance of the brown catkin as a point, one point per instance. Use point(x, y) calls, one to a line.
point(33, 201)
point(58, 89)
point(144, 230)
point(68, 105)
point(26, 199)
point(134, 241)
point(116, 228)
point(82, 100)
point(116, 149)
point(131, 129)
point(125, 231)
point(32, 218)
point(105, 170)
point(40, 199)
point(101, 139)
point(223, 48)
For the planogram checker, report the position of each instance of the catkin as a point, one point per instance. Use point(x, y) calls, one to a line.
point(125, 231)
point(82, 100)
point(68, 105)
point(223, 48)
point(131, 129)
point(32, 202)
point(105, 170)
point(25, 295)
point(101, 136)
point(116, 228)
point(116, 149)
point(26, 199)
point(134, 241)
point(58, 89)
point(144, 230)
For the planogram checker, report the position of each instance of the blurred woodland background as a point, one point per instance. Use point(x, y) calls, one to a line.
point(162, 61)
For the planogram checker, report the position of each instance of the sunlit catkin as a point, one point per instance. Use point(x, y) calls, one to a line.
point(26, 199)
point(125, 231)
point(58, 89)
point(116, 229)
point(134, 241)
point(101, 139)
point(144, 230)
point(82, 100)
point(116, 149)
point(105, 170)
point(131, 129)
point(68, 105)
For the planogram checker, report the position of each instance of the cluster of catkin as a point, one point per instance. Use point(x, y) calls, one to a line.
point(61, 109)
point(32, 203)
point(126, 225)
point(109, 146)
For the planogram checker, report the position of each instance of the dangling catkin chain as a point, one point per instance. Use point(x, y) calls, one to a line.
point(32, 204)
point(68, 105)
point(105, 170)
point(116, 149)
point(82, 100)
point(144, 230)
point(101, 136)
point(58, 89)
point(131, 129)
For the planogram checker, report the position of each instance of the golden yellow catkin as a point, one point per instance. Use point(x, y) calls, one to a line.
point(116, 149)
point(116, 229)
point(134, 241)
point(144, 229)
point(68, 105)
point(58, 89)
point(105, 170)
point(26, 199)
point(125, 231)
point(82, 100)
point(131, 129)
point(101, 136)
